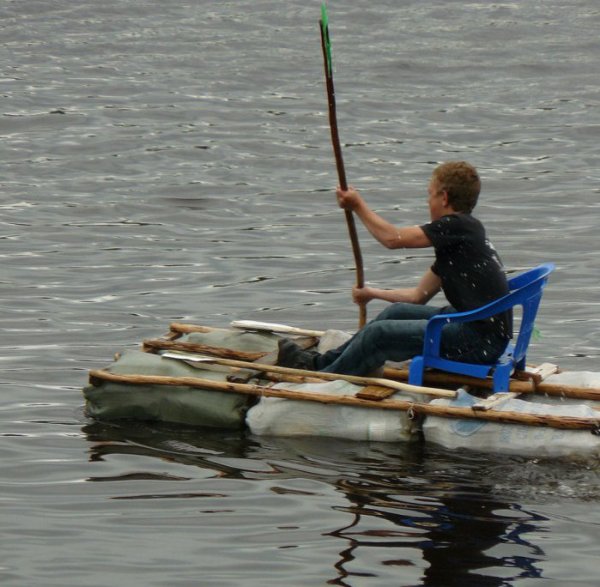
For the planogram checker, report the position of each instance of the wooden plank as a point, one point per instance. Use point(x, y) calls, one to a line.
point(375, 393)
point(494, 401)
point(537, 374)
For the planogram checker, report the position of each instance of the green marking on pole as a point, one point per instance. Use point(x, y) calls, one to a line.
point(325, 27)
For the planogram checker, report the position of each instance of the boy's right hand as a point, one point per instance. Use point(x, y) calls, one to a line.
point(361, 295)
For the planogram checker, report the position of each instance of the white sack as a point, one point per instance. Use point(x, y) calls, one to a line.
point(487, 436)
point(284, 417)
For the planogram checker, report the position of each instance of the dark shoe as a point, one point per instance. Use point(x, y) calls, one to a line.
point(293, 356)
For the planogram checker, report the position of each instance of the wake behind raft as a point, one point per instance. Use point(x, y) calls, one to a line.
point(226, 378)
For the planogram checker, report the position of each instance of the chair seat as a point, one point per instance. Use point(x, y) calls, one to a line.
point(526, 291)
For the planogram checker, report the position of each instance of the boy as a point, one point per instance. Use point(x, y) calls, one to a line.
point(466, 268)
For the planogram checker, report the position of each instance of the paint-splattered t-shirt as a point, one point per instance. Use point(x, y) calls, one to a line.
point(469, 267)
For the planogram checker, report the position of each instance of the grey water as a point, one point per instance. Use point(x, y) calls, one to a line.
point(170, 161)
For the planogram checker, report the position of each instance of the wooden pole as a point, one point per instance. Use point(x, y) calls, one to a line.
point(339, 160)
point(376, 381)
point(560, 422)
point(195, 347)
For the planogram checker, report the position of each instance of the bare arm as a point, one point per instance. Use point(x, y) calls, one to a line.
point(383, 231)
point(428, 286)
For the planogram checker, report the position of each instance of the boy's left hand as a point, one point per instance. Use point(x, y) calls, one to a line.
point(348, 199)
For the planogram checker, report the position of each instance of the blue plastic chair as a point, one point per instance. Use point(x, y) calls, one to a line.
point(526, 291)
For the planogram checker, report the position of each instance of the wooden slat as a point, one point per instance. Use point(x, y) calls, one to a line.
point(375, 393)
point(537, 374)
point(494, 401)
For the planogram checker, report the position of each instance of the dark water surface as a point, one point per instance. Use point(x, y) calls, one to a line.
point(170, 161)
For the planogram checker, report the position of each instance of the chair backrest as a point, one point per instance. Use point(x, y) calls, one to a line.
point(530, 276)
point(526, 291)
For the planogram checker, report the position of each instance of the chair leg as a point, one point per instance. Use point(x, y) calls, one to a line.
point(501, 378)
point(415, 371)
point(521, 365)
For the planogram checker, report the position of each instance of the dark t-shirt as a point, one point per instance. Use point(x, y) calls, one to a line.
point(469, 268)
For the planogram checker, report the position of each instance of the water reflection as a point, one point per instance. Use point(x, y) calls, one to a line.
point(456, 533)
point(412, 512)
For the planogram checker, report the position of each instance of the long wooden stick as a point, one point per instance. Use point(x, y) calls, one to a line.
point(395, 385)
point(337, 151)
point(561, 422)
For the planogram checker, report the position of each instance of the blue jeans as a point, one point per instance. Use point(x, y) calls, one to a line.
point(397, 334)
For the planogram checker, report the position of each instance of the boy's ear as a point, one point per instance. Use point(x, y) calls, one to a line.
point(445, 198)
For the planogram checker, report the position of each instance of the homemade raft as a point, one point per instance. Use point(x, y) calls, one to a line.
point(226, 378)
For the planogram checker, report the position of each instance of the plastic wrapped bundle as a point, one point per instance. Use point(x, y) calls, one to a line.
point(107, 400)
point(285, 417)
point(511, 438)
